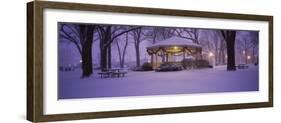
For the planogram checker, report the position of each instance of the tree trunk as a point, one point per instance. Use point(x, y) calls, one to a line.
point(119, 53)
point(138, 55)
point(223, 57)
point(253, 55)
point(109, 56)
point(230, 43)
point(124, 52)
point(103, 59)
point(87, 65)
point(122, 63)
point(105, 50)
point(103, 55)
point(219, 57)
point(137, 40)
point(246, 54)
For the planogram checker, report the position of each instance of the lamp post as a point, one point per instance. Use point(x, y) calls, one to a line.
point(211, 58)
point(211, 54)
point(248, 58)
point(244, 56)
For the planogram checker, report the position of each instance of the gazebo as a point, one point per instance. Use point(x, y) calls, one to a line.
point(174, 46)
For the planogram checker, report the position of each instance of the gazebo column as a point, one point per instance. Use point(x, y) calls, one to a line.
point(183, 54)
point(198, 54)
point(195, 54)
point(156, 61)
point(167, 57)
point(152, 61)
point(163, 57)
point(170, 57)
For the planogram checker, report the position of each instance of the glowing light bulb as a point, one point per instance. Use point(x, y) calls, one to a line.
point(211, 54)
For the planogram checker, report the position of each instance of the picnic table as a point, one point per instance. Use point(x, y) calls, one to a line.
point(114, 72)
point(242, 66)
point(104, 74)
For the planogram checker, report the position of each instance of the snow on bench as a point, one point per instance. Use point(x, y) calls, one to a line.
point(108, 74)
point(242, 66)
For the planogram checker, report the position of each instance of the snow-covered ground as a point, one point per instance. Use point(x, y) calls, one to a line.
point(158, 83)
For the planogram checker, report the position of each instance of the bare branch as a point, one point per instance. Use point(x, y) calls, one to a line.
point(223, 34)
point(112, 39)
point(73, 31)
point(70, 38)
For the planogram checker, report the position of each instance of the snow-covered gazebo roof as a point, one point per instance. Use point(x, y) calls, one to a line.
point(174, 44)
point(175, 41)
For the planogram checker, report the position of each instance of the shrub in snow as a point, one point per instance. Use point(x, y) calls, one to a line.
point(147, 66)
point(202, 64)
point(188, 63)
point(170, 66)
point(136, 69)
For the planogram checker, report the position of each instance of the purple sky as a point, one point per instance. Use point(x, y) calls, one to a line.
point(209, 39)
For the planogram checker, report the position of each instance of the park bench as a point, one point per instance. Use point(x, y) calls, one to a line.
point(105, 74)
point(242, 66)
point(112, 73)
point(118, 74)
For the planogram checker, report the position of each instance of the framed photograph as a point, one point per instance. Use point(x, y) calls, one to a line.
point(88, 61)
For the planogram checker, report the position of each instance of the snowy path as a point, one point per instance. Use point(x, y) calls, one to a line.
point(158, 83)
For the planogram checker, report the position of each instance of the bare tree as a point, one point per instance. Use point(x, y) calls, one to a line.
point(229, 36)
point(246, 46)
point(255, 41)
point(166, 32)
point(210, 40)
point(189, 33)
point(153, 33)
point(247, 42)
point(138, 36)
point(81, 35)
point(216, 46)
point(120, 52)
point(107, 35)
point(221, 47)
point(222, 52)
